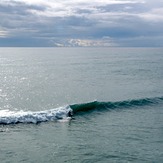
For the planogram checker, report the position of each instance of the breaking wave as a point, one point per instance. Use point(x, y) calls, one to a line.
point(65, 112)
point(13, 117)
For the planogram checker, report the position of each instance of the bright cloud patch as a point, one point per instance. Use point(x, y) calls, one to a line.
point(3, 34)
point(85, 43)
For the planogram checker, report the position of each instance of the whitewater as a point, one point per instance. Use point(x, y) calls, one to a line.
point(81, 105)
point(13, 117)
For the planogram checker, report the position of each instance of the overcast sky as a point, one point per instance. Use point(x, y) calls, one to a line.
point(81, 23)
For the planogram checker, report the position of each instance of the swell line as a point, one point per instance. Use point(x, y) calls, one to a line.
point(84, 107)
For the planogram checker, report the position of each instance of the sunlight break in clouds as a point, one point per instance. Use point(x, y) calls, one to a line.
point(69, 7)
point(81, 23)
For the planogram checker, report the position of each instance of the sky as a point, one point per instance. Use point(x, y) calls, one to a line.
point(81, 23)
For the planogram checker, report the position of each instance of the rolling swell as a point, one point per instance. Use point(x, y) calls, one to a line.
point(95, 105)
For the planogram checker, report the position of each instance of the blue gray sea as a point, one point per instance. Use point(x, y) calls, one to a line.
point(81, 105)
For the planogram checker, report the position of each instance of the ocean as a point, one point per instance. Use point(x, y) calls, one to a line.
point(81, 105)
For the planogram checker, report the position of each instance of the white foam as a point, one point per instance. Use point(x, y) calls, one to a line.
point(12, 117)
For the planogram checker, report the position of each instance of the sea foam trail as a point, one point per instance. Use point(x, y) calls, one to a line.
point(13, 117)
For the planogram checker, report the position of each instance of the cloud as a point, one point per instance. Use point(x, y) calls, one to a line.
point(3, 33)
point(155, 15)
point(104, 42)
point(81, 23)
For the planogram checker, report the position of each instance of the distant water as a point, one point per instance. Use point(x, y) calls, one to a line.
point(114, 94)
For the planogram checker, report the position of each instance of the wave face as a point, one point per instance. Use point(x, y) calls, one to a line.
point(84, 107)
point(13, 117)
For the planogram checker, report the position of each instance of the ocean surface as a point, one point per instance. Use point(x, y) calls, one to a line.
point(81, 105)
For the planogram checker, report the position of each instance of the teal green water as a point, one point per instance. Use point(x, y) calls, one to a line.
point(116, 95)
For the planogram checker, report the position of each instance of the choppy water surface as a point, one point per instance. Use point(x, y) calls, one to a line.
point(115, 94)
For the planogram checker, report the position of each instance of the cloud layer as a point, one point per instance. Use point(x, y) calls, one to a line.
point(81, 23)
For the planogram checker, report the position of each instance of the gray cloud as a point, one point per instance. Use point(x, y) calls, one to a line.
point(81, 23)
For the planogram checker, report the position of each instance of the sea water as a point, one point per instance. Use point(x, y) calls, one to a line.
point(114, 94)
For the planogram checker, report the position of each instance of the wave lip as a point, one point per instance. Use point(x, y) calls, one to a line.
point(12, 117)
